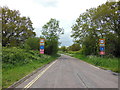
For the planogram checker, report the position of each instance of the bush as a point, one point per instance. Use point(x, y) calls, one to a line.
point(21, 62)
point(15, 56)
point(74, 52)
point(32, 43)
point(103, 62)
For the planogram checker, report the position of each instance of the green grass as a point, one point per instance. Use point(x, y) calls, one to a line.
point(14, 74)
point(17, 63)
point(0, 66)
point(103, 62)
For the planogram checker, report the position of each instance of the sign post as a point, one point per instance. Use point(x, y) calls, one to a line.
point(42, 42)
point(102, 46)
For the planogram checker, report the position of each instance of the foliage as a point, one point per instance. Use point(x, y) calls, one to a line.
point(96, 23)
point(105, 62)
point(74, 47)
point(63, 48)
point(21, 62)
point(0, 33)
point(51, 32)
point(32, 43)
point(13, 56)
point(15, 29)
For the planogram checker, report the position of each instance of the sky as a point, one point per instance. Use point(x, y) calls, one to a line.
point(41, 11)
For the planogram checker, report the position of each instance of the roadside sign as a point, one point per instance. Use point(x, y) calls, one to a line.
point(102, 48)
point(41, 47)
point(41, 50)
point(42, 44)
point(101, 44)
point(41, 40)
point(101, 41)
point(102, 53)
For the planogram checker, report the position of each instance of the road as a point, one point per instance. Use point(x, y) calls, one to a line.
point(69, 72)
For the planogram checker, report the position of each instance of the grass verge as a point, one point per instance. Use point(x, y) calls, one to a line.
point(12, 72)
point(102, 62)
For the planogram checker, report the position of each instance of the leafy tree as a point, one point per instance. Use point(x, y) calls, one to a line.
point(96, 23)
point(32, 43)
point(85, 32)
point(51, 32)
point(0, 26)
point(108, 15)
point(89, 45)
point(63, 48)
point(74, 47)
point(15, 29)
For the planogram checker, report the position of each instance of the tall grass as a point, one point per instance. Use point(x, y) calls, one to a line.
point(103, 62)
point(18, 63)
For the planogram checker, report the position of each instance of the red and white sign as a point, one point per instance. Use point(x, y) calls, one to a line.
point(41, 52)
point(102, 53)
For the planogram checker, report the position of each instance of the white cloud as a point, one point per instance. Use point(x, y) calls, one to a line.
point(47, 3)
point(40, 11)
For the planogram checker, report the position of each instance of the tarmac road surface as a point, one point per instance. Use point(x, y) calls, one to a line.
point(69, 72)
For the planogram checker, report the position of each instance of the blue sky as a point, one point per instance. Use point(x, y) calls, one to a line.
point(40, 12)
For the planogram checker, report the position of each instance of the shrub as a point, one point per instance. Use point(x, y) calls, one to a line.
point(32, 43)
point(15, 56)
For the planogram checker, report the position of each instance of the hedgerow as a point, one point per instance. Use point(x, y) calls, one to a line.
point(15, 56)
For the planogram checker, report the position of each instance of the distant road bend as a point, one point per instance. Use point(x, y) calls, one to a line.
point(69, 72)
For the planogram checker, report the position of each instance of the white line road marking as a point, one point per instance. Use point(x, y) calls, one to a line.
point(37, 77)
point(95, 67)
point(92, 65)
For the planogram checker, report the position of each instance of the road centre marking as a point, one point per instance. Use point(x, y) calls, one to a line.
point(37, 77)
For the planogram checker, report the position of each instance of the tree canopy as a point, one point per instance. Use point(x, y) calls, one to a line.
point(96, 23)
point(15, 29)
point(74, 47)
point(51, 31)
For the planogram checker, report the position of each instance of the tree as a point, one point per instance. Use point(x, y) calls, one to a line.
point(74, 47)
point(0, 26)
point(63, 48)
point(32, 43)
point(108, 15)
point(51, 32)
point(15, 29)
point(85, 32)
point(96, 23)
point(90, 45)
